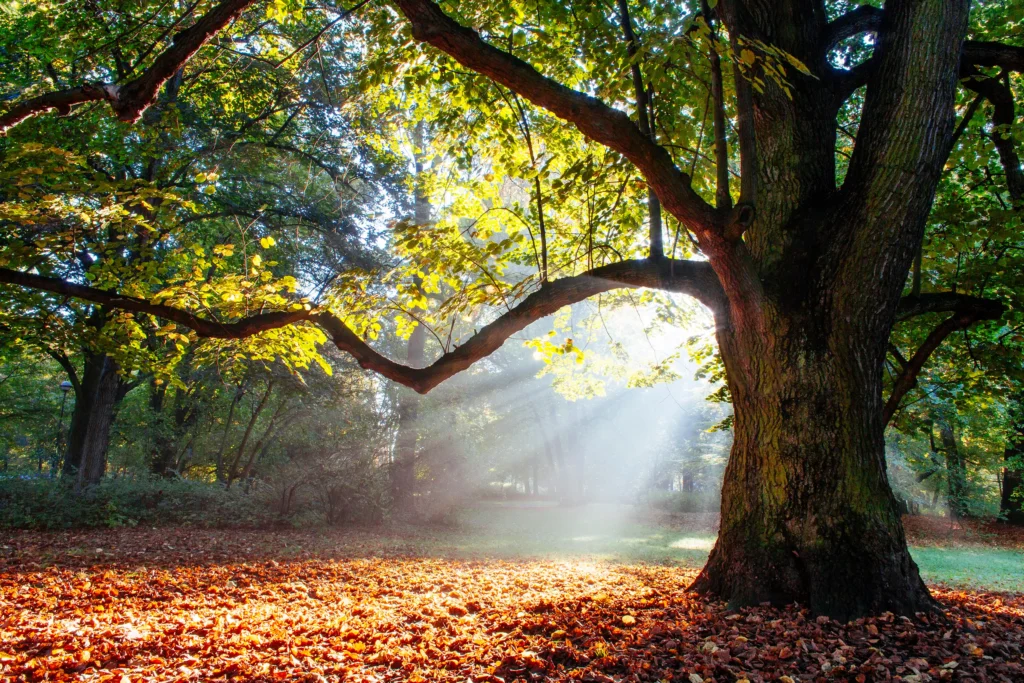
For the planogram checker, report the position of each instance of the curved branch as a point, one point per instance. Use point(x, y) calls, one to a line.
point(863, 19)
point(593, 118)
point(997, 91)
point(908, 378)
point(204, 327)
point(131, 99)
point(695, 278)
point(967, 310)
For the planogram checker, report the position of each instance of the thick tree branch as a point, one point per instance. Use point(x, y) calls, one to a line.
point(130, 100)
point(967, 310)
point(695, 278)
point(975, 53)
point(988, 53)
point(593, 118)
point(949, 302)
point(688, 277)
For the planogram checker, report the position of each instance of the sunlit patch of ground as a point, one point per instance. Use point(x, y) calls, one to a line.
point(513, 592)
point(135, 605)
point(498, 597)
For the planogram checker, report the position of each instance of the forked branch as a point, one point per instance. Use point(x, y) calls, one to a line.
point(967, 310)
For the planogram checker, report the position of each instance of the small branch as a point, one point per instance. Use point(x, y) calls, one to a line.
point(645, 121)
point(723, 199)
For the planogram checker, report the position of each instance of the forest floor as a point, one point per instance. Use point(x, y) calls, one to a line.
point(512, 592)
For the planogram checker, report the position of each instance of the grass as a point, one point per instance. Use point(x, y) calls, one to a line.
point(985, 568)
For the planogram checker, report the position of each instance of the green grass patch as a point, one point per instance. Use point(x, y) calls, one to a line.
point(994, 569)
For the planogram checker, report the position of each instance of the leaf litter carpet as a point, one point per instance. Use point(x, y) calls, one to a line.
point(187, 605)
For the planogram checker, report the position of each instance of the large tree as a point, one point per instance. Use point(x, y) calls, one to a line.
point(804, 268)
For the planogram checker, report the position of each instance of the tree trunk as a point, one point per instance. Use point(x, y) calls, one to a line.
point(807, 511)
point(403, 470)
point(164, 456)
point(92, 418)
point(1011, 508)
point(956, 473)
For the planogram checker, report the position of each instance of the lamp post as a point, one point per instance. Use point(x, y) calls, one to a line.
point(65, 387)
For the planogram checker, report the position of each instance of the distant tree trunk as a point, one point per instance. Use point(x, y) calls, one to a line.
point(403, 469)
point(956, 472)
point(1013, 469)
point(233, 472)
point(222, 474)
point(1010, 507)
point(96, 398)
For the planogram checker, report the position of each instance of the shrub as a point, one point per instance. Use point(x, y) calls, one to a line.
point(42, 503)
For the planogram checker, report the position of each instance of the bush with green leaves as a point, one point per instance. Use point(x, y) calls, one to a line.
point(42, 503)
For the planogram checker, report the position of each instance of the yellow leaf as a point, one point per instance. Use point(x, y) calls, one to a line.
point(628, 620)
point(747, 57)
point(267, 242)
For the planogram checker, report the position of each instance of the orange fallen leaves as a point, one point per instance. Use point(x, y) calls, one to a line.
point(265, 606)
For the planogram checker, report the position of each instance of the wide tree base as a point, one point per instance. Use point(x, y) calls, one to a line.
point(843, 581)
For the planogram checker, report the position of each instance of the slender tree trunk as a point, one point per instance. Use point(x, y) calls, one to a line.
point(403, 470)
point(233, 472)
point(1011, 507)
point(221, 472)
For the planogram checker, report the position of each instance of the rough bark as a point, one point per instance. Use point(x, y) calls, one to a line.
point(807, 512)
